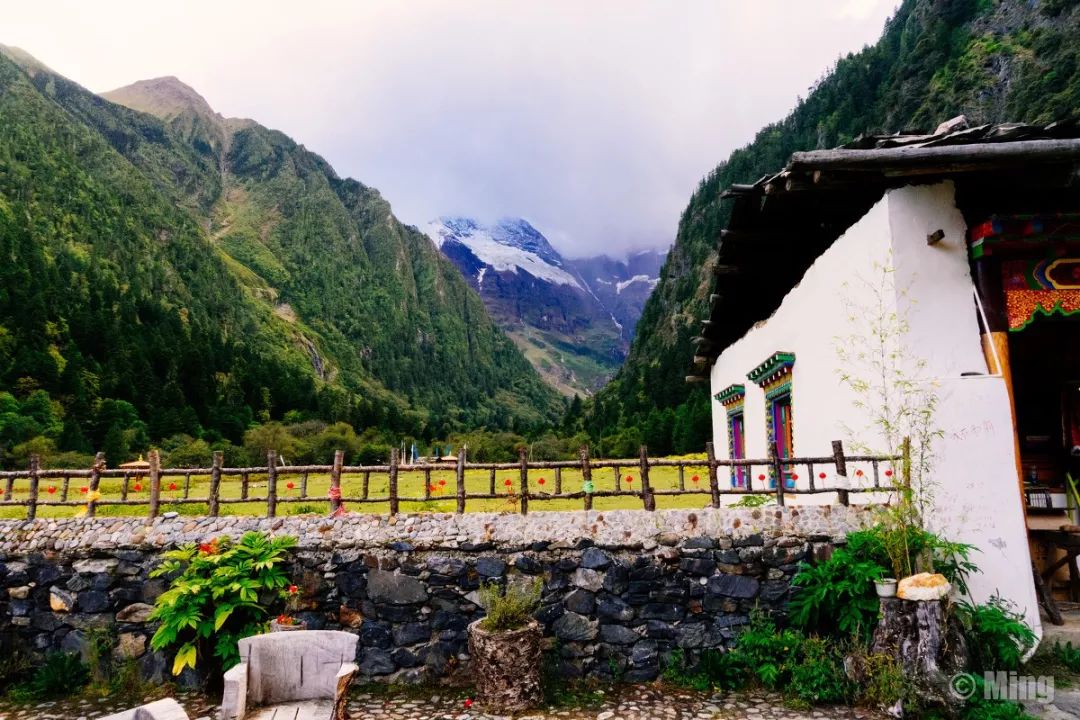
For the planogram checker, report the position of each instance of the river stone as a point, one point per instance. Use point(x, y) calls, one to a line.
point(388, 587)
point(572, 627)
point(135, 613)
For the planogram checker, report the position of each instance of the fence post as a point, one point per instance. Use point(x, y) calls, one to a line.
point(586, 475)
point(35, 479)
point(271, 483)
point(335, 480)
point(95, 483)
point(523, 459)
point(215, 482)
point(460, 480)
point(155, 482)
point(778, 470)
point(841, 471)
point(393, 481)
point(714, 483)
point(647, 498)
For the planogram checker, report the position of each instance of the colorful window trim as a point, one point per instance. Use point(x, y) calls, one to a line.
point(1040, 288)
point(774, 377)
point(732, 398)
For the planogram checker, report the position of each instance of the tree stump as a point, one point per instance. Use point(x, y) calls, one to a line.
point(925, 640)
point(506, 667)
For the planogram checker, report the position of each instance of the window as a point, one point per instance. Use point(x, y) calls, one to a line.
point(774, 377)
point(732, 399)
point(737, 442)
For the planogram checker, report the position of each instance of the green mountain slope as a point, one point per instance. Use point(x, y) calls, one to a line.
point(994, 61)
point(191, 273)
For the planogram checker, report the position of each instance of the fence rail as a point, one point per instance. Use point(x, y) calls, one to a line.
point(154, 485)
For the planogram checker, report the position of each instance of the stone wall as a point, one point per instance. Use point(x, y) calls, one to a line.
point(622, 589)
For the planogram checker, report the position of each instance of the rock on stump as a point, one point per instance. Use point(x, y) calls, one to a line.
point(506, 667)
point(924, 640)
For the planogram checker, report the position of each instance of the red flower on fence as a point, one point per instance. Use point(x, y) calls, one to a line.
point(507, 482)
point(137, 487)
point(761, 476)
point(629, 478)
point(541, 481)
point(822, 475)
point(290, 485)
point(794, 476)
point(433, 488)
point(172, 486)
point(84, 489)
point(442, 483)
point(695, 479)
point(1, 491)
point(888, 473)
point(51, 489)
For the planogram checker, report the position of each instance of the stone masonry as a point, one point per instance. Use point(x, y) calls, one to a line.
point(622, 589)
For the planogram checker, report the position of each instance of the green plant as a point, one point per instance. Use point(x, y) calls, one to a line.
point(836, 597)
point(753, 501)
point(213, 599)
point(979, 707)
point(925, 550)
point(61, 674)
point(998, 637)
point(510, 608)
point(884, 681)
point(769, 653)
point(819, 675)
point(305, 509)
point(126, 684)
point(1066, 655)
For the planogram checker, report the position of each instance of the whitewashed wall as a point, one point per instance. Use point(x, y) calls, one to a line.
point(977, 498)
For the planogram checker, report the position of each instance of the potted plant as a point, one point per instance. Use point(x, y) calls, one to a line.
point(505, 647)
point(286, 621)
point(886, 587)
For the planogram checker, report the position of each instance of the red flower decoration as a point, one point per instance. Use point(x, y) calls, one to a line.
point(859, 473)
point(52, 489)
point(442, 483)
point(629, 478)
point(794, 476)
point(290, 485)
point(1, 491)
point(468, 703)
point(541, 481)
point(761, 476)
point(695, 479)
point(888, 473)
point(137, 487)
point(84, 489)
point(506, 482)
point(433, 488)
point(172, 486)
point(293, 589)
point(821, 475)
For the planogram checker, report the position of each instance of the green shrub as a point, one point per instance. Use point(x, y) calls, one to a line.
point(510, 608)
point(884, 681)
point(819, 675)
point(837, 597)
point(979, 708)
point(753, 501)
point(1066, 655)
point(214, 597)
point(715, 669)
point(768, 652)
point(998, 638)
point(61, 674)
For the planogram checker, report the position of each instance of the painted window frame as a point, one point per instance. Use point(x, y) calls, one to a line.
point(732, 398)
point(774, 376)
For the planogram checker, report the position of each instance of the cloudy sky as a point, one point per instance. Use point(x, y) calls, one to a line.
point(594, 120)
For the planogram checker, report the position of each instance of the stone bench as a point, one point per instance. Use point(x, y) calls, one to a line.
point(304, 672)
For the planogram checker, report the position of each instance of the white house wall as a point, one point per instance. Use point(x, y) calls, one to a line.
point(977, 498)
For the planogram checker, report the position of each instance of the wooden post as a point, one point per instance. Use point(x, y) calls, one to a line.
point(215, 483)
point(95, 482)
point(714, 484)
point(460, 476)
point(558, 481)
point(335, 480)
point(35, 479)
point(491, 482)
point(9, 489)
point(427, 483)
point(393, 481)
point(523, 460)
point(842, 496)
point(647, 498)
point(155, 482)
point(65, 488)
point(778, 471)
point(244, 484)
point(271, 483)
point(586, 475)
point(366, 484)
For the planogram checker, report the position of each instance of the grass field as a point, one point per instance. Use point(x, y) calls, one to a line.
point(410, 484)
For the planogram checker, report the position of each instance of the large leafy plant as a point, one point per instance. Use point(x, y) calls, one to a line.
point(837, 597)
point(215, 596)
point(997, 634)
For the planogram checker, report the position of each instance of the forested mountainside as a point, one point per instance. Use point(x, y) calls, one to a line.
point(567, 316)
point(183, 273)
point(992, 60)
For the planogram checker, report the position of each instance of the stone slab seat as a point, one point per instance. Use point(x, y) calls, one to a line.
point(297, 674)
point(167, 709)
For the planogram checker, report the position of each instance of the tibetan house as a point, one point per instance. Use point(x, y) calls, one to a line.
point(970, 237)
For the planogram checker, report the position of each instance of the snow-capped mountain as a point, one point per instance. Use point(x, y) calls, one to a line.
point(572, 318)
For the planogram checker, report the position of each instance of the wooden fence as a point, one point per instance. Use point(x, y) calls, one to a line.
point(760, 477)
